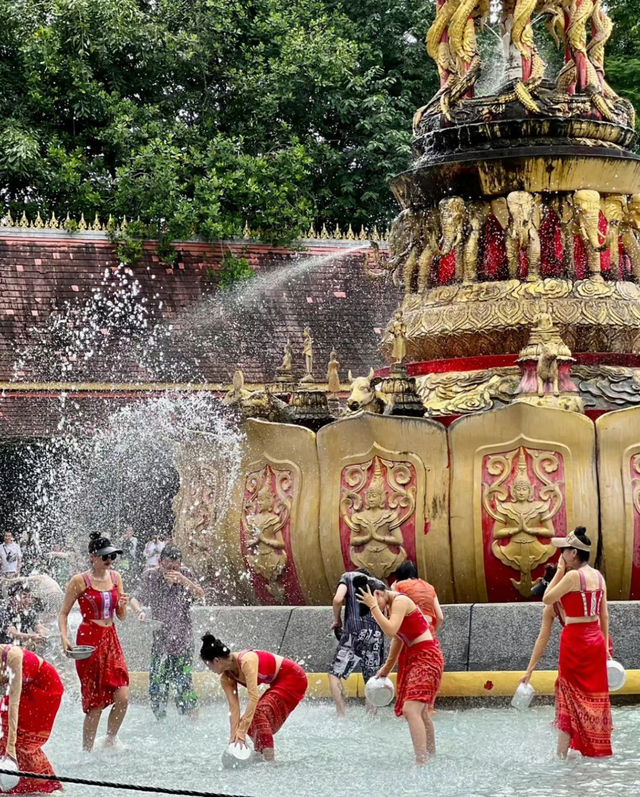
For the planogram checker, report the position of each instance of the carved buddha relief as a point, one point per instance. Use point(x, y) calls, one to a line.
point(266, 510)
point(378, 496)
point(523, 521)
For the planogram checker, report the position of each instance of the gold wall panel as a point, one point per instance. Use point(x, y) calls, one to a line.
point(618, 436)
point(287, 448)
point(385, 478)
point(549, 451)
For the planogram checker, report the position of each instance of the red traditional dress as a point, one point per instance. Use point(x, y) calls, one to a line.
point(105, 670)
point(583, 709)
point(420, 665)
point(39, 702)
point(287, 687)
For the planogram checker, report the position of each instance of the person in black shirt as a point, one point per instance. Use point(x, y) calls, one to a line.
point(19, 623)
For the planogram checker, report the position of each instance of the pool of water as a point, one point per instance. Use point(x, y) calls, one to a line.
point(484, 752)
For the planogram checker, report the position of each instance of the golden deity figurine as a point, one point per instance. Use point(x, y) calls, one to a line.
point(267, 550)
point(333, 375)
point(285, 369)
point(453, 215)
point(375, 530)
point(522, 520)
point(307, 350)
point(399, 332)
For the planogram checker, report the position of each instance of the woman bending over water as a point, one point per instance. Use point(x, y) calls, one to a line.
point(263, 716)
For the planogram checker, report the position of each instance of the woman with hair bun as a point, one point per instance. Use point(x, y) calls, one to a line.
point(263, 716)
point(579, 593)
point(104, 679)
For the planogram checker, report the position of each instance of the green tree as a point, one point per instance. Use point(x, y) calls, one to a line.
point(199, 115)
point(623, 52)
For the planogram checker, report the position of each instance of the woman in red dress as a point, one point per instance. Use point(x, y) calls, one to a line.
point(34, 695)
point(420, 663)
point(104, 679)
point(583, 710)
point(264, 715)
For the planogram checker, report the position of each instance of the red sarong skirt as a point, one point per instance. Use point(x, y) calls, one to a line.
point(583, 709)
point(275, 705)
point(105, 671)
point(420, 669)
point(39, 704)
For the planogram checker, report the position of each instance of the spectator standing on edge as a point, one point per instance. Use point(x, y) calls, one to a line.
point(360, 640)
point(10, 557)
point(169, 591)
point(152, 551)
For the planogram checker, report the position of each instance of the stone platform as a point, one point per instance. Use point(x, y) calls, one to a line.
point(474, 637)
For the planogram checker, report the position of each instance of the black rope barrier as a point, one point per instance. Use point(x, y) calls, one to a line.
point(115, 785)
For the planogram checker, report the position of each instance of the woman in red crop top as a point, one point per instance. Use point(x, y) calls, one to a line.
point(104, 679)
point(33, 698)
point(264, 715)
point(578, 594)
point(420, 663)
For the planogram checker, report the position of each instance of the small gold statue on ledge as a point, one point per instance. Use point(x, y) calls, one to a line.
point(307, 350)
point(333, 375)
point(399, 332)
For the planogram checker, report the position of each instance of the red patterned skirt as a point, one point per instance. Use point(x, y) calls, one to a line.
point(277, 703)
point(582, 691)
point(105, 670)
point(420, 669)
point(39, 704)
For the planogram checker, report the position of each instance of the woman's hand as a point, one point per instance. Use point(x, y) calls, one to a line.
point(366, 597)
point(562, 565)
point(239, 737)
point(66, 645)
point(382, 673)
point(11, 752)
point(123, 600)
point(525, 678)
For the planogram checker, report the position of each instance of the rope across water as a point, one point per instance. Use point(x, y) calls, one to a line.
point(114, 785)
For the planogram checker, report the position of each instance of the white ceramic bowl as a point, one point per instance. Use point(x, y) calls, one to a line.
point(236, 755)
point(379, 691)
point(616, 675)
point(523, 696)
point(8, 782)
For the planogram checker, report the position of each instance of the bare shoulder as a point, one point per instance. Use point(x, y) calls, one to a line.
point(15, 655)
point(76, 583)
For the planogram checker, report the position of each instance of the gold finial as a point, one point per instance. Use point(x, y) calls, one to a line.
point(324, 233)
point(110, 225)
point(350, 236)
point(82, 224)
point(311, 232)
point(375, 235)
point(10, 221)
point(246, 231)
point(124, 224)
point(337, 233)
point(24, 221)
point(96, 223)
point(38, 222)
point(53, 222)
point(362, 235)
point(67, 221)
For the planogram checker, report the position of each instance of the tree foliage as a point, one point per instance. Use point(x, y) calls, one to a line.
point(623, 53)
point(199, 115)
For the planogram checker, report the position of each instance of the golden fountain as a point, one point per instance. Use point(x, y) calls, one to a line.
point(509, 412)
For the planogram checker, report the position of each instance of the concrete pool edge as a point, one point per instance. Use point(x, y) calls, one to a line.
point(488, 684)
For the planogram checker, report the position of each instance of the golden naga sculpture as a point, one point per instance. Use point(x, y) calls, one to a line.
point(438, 40)
point(517, 33)
point(522, 234)
point(519, 517)
point(375, 540)
point(263, 522)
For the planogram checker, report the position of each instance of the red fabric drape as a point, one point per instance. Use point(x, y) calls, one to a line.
point(420, 669)
point(105, 671)
point(277, 703)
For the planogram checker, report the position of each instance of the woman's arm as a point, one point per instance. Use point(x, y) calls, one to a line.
point(566, 583)
point(14, 663)
point(541, 642)
point(123, 599)
point(392, 658)
point(398, 611)
point(438, 612)
point(75, 588)
point(230, 689)
point(249, 669)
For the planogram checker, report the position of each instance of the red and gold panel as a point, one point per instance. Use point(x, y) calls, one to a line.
point(519, 476)
point(384, 497)
point(270, 496)
point(619, 483)
point(523, 506)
